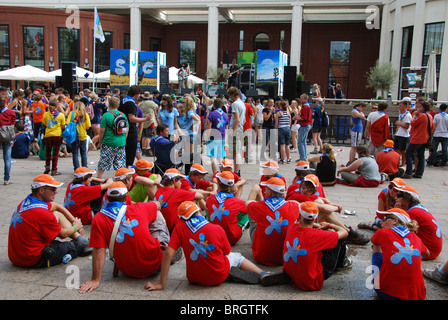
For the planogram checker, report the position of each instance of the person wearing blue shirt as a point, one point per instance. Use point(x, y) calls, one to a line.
point(357, 117)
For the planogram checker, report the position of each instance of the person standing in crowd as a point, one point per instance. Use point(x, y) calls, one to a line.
point(305, 119)
point(282, 119)
point(7, 118)
point(421, 128)
point(403, 124)
point(99, 108)
point(440, 136)
point(236, 124)
point(149, 107)
point(167, 114)
point(79, 147)
point(183, 74)
point(377, 129)
point(317, 125)
point(39, 108)
point(357, 117)
point(53, 123)
point(129, 108)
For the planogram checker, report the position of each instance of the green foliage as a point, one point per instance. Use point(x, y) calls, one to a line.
point(217, 74)
point(381, 77)
point(300, 77)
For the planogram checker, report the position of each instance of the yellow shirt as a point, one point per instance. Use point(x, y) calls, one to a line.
point(82, 125)
point(53, 124)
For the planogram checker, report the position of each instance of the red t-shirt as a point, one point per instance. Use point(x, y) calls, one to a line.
point(388, 162)
point(77, 200)
point(227, 216)
point(170, 199)
point(400, 274)
point(137, 253)
point(29, 232)
point(302, 254)
point(186, 184)
point(269, 236)
point(249, 112)
point(39, 109)
point(428, 230)
point(205, 252)
point(295, 186)
point(419, 128)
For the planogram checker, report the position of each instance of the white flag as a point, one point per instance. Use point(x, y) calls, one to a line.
point(98, 30)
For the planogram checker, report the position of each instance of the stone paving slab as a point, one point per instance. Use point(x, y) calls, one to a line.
point(55, 283)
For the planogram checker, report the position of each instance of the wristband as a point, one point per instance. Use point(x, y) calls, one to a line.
point(75, 229)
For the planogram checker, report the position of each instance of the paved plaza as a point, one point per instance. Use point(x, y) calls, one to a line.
point(60, 282)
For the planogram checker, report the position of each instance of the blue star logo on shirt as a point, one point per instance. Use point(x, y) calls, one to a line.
point(200, 248)
point(68, 201)
point(439, 230)
point(294, 251)
point(404, 252)
point(276, 224)
point(38, 110)
point(219, 212)
point(162, 204)
point(126, 229)
point(16, 218)
point(221, 122)
point(51, 123)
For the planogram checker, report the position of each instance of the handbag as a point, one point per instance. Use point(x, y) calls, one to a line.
point(115, 231)
point(7, 133)
point(70, 131)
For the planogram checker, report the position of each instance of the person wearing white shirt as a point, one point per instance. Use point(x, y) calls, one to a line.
point(403, 124)
point(440, 136)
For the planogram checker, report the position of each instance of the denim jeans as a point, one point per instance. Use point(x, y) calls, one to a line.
point(435, 144)
point(301, 142)
point(419, 150)
point(77, 147)
point(7, 149)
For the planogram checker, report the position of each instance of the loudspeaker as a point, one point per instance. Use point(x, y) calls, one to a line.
point(58, 82)
point(222, 92)
point(185, 90)
point(273, 91)
point(164, 76)
point(303, 87)
point(69, 81)
point(167, 90)
point(290, 82)
point(252, 93)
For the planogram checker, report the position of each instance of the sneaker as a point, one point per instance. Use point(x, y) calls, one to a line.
point(417, 176)
point(240, 275)
point(55, 173)
point(314, 151)
point(407, 176)
point(177, 256)
point(47, 170)
point(436, 275)
point(289, 160)
point(272, 278)
point(292, 150)
point(281, 162)
point(346, 264)
point(7, 183)
point(354, 237)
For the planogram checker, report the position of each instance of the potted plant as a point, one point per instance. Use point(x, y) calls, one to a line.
point(381, 77)
point(303, 86)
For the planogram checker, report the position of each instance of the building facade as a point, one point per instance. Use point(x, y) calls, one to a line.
point(329, 41)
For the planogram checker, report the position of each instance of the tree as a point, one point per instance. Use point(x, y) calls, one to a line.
point(381, 77)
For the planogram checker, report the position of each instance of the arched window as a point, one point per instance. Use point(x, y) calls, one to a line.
point(261, 41)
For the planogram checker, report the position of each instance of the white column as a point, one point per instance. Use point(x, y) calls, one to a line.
point(384, 51)
point(419, 34)
point(442, 92)
point(396, 47)
point(296, 35)
point(136, 27)
point(212, 38)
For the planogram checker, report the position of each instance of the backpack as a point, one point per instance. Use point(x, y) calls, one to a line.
point(70, 131)
point(120, 123)
point(325, 119)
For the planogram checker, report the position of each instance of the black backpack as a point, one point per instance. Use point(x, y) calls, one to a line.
point(325, 119)
point(120, 124)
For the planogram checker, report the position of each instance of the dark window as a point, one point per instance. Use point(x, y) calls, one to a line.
point(187, 53)
point(34, 46)
point(339, 69)
point(261, 41)
point(433, 42)
point(102, 53)
point(4, 48)
point(155, 44)
point(68, 46)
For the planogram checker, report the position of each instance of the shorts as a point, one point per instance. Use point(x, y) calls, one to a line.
point(355, 138)
point(148, 132)
point(215, 149)
point(284, 135)
point(295, 127)
point(112, 157)
point(400, 143)
point(316, 130)
point(159, 230)
point(95, 125)
point(235, 259)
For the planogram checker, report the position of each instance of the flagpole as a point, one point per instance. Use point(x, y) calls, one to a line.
point(94, 54)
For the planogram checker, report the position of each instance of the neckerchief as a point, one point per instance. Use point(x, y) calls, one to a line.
point(128, 98)
point(112, 209)
point(401, 230)
point(191, 182)
point(31, 202)
point(74, 186)
point(275, 203)
point(420, 206)
point(222, 196)
point(401, 116)
point(195, 223)
point(388, 149)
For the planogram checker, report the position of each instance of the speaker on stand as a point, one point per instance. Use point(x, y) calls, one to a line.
point(69, 78)
point(290, 83)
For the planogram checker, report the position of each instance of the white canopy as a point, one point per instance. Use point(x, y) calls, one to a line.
point(26, 73)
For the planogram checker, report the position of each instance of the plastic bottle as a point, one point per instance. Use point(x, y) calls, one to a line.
point(67, 258)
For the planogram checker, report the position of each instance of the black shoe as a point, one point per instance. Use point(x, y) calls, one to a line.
point(48, 254)
point(417, 176)
point(47, 170)
point(354, 237)
point(240, 275)
point(177, 256)
point(273, 278)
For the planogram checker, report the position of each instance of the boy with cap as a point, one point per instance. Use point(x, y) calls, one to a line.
point(311, 251)
point(269, 170)
point(208, 255)
point(126, 176)
point(194, 181)
point(144, 182)
point(303, 169)
point(397, 255)
point(269, 221)
point(389, 161)
point(226, 210)
point(136, 248)
point(170, 195)
point(37, 222)
point(80, 192)
point(239, 182)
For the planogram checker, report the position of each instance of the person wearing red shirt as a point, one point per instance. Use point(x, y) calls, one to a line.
point(269, 169)
point(389, 161)
point(226, 210)
point(303, 169)
point(239, 182)
point(194, 182)
point(377, 129)
point(305, 119)
point(428, 228)
point(36, 224)
point(170, 195)
point(39, 108)
point(311, 251)
point(419, 137)
point(269, 221)
point(144, 182)
point(137, 245)
point(396, 258)
point(80, 192)
point(7, 118)
point(208, 255)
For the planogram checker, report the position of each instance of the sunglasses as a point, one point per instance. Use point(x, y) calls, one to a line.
point(388, 217)
point(310, 189)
